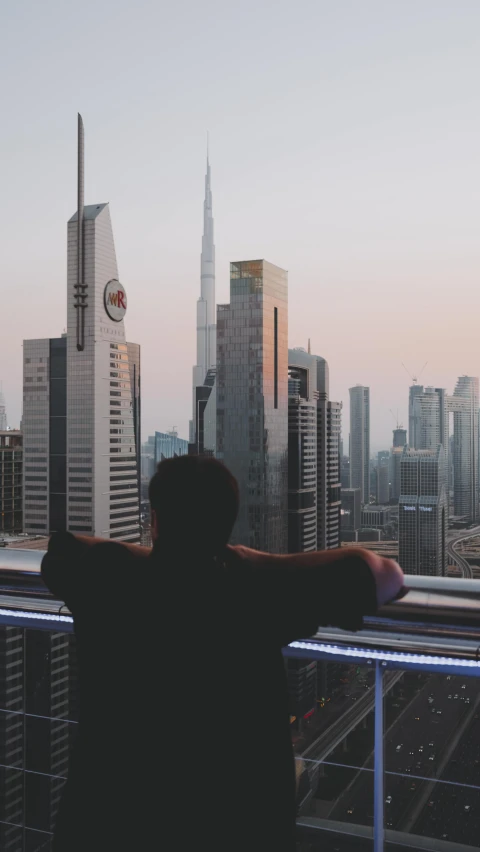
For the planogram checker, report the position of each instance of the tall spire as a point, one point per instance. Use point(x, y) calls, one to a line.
point(206, 308)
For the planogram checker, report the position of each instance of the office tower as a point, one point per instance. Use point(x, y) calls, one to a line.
point(423, 512)
point(206, 327)
point(252, 400)
point(395, 479)
point(328, 418)
point(431, 419)
point(168, 445)
point(382, 492)
point(302, 459)
point(360, 440)
point(3, 412)
point(351, 517)
point(464, 404)
point(205, 417)
point(81, 416)
point(345, 471)
point(399, 437)
point(11, 481)
point(148, 458)
point(413, 392)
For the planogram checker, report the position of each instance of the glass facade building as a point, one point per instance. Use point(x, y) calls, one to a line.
point(168, 445)
point(302, 462)
point(252, 400)
point(360, 440)
point(423, 512)
point(11, 481)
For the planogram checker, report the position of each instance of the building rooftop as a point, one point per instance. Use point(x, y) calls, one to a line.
point(90, 211)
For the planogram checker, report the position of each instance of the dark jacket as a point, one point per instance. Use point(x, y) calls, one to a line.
point(184, 739)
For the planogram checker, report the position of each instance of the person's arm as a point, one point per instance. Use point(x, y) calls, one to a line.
point(67, 560)
point(299, 592)
point(387, 574)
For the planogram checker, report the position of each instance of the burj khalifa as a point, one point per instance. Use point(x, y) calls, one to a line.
point(204, 370)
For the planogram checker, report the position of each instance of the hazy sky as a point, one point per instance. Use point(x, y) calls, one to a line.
point(345, 147)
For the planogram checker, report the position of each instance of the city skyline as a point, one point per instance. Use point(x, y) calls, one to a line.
point(365, 199)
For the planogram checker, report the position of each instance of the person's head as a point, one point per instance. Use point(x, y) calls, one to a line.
point(194, 504)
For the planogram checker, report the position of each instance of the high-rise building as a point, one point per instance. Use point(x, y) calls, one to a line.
point(168, 445)
point(413, 391)
point(252, 400)
point(464, 404)
point(423, 512)
point(302, 459)
point(206, 319)
point(3, 412)
point(328, 419)
point(395, 479)
point(399, 437)
point(148, 458)
point(345, 471)
point(81, 417)
point(11, 481)
point(351, 518)
point(430, 419)
point(382, 484)
point(360, 440)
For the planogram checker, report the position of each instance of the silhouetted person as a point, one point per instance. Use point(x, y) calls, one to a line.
point(184, 739)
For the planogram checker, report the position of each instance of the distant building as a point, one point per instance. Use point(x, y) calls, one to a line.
point(376, 517)
point(252, 400)
point(3, 412)
point(413, 392)
point(351, 518)
point(345, 471)
point(423, 512)
point(205, 417)
point(395, 463)
point(302, 460)
point(168, 445)
point(399, 437)
point(360, 440)
point(148, 458)
point(328, 420)
point(464, 404)
point(11, 481)
point(382, 483)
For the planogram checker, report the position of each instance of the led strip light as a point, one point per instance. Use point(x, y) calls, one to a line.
point(38, 616)
point(384, 656)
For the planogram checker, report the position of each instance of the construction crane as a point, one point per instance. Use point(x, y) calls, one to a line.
point(398, 425)
point(412, 376)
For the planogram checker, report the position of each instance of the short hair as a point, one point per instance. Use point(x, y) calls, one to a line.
point(195, 498)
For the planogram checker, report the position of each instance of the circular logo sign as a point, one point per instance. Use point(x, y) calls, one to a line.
point(115, 299)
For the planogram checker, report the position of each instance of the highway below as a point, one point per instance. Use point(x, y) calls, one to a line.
point(453, 538)
point(415, 747)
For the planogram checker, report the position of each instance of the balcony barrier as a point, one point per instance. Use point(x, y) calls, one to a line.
point(391, 762)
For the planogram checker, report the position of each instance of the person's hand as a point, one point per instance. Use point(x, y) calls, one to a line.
point(387, 574)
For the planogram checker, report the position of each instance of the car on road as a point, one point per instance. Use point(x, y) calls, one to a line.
point(464, 686)
point(467, 808)
point(432, 757)
point(417, 718)
point(449, 696)
point(430, 745)
point(350, 811)
point(455, 696)
point(399, 747)
point(388, 800)
point(439, 712)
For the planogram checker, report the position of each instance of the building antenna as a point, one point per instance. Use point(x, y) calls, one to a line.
point(398, 425)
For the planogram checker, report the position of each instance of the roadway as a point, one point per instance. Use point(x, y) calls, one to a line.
point(414, 747)
point(453, 538)
point(453, 812)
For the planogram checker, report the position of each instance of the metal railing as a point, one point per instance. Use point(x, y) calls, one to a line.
point(433, 627)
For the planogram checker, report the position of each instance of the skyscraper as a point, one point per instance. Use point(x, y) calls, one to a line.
point(413, 391)
point(81, 395)
point(328, 420)
point(168, 445)
point(360, 440)
point(252, 399)
point(423, 512)
point(11, 481)
point(3, 412)
point(464, 404)
point(430, 412)
point(206, 327)
point(302, 459)
point(399, 437)
point(382, 483)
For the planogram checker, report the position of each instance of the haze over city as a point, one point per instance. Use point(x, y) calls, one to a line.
point(344, 145)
